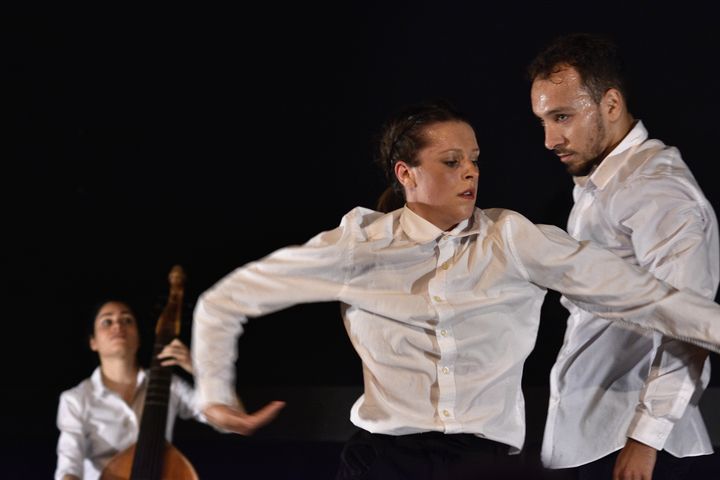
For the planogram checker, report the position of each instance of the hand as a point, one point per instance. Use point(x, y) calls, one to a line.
point(176, 353)
point(636, 461)
point(236, 420)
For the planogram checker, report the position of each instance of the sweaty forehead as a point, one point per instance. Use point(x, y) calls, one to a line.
point(561, 90)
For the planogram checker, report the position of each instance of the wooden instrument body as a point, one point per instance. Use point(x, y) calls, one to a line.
point(175, 465)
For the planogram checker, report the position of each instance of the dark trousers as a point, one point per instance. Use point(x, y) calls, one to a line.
point(667, 467)
point(429, 456)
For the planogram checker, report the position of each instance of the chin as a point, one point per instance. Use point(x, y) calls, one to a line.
point(583, 169)
point(462, 216)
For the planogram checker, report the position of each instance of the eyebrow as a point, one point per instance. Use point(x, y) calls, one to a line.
point(457, 150)
point(108, 314)
point(555, 111)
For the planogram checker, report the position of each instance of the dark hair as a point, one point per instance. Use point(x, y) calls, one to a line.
point(402, 137)
point(594, 56)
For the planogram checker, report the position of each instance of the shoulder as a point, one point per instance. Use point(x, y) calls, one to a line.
point(362, 223)
point(499, 218)
point(658, 174)
point(81, 390)
point(519, 231)
point(362, 217)
point(654, 161)
point(74, 401)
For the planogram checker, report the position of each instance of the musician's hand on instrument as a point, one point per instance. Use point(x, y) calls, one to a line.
point(236, 420)
point(176, 353)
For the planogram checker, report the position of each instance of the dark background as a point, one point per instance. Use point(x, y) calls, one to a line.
point(139, 138)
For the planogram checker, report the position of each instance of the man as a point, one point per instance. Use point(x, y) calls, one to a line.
point(623, 403)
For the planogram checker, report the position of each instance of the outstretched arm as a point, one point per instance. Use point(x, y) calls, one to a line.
point(606, 285)
point(313, 272)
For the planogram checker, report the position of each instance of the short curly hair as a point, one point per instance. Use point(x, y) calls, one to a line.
point(594, 56)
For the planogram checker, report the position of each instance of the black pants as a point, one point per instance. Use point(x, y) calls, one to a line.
point(667, 467)
point(429, 456)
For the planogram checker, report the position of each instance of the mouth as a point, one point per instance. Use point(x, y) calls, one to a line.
point(564, 156)
point(468, 194)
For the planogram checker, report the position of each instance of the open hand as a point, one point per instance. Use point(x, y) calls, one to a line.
point(236, 420)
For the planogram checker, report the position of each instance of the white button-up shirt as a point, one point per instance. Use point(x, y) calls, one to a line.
point(95, 423)
point(608, 383)
point(442, 349)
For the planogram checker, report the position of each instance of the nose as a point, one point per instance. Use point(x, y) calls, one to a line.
point(553, 137)
point(471, 169)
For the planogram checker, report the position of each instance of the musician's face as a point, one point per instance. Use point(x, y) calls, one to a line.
point(115, 333)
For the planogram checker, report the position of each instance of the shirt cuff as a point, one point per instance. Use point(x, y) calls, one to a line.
point(650, 430)
point(211, 390)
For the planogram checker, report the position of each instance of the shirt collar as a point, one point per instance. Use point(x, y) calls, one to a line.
point(422, 231)
point(615, 160)
point(100, 388)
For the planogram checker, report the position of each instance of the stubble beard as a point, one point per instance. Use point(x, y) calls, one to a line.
point(597, 154)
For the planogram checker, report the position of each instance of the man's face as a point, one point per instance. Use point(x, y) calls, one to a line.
point(575, 127)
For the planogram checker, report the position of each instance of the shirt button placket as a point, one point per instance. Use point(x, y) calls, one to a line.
point(446, 343)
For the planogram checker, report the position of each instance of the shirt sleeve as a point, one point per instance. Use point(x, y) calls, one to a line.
point(313, 272)
point(71, 443)
point(186, 400)
point(669, 232)
point(607, 286)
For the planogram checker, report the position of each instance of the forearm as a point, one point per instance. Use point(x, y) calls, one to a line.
point(678, 375)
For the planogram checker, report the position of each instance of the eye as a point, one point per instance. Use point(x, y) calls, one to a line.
point(561, 117)
point(451, 163)
point(105, 322)
point(127, 320)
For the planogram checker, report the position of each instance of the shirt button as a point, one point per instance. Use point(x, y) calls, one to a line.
point(446, 413)
point(437, 299)
point(446, 370)
point(443, 332)
point(445, 266)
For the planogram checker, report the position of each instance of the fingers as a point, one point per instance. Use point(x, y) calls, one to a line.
point(176, 353)
point(239, 421)
point(175, 348)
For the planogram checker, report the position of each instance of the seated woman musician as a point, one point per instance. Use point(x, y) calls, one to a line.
point(101, 415)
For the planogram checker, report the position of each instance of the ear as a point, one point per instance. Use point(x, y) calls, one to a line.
point(93, 344)
point(404, 174)
point(613, 104)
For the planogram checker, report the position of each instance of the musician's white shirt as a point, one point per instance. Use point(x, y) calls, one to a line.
point(95, 422)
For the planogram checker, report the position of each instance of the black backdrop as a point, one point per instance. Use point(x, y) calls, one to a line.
point(140, 138)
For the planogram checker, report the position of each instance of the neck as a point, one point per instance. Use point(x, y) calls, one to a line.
point(118, 371)
point(622, 128)
point(616, 134)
